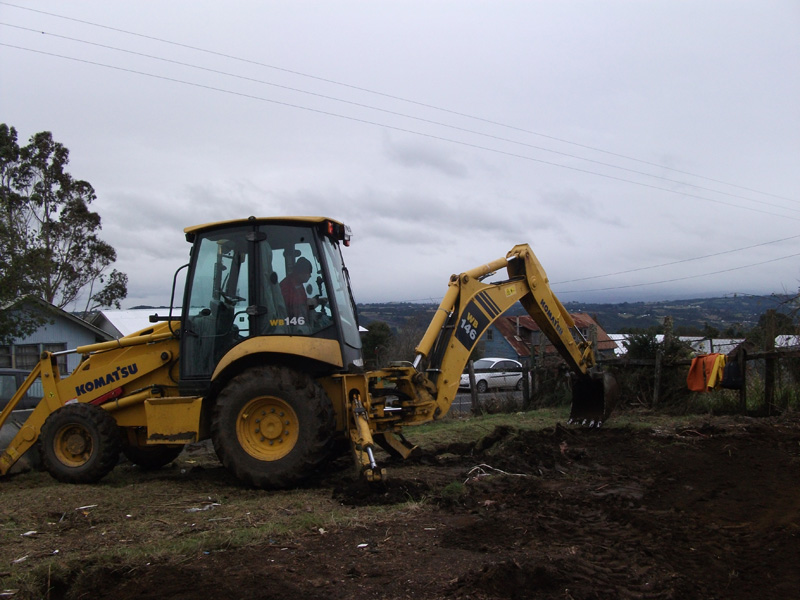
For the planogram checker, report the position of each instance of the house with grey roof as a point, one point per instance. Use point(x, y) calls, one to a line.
point(60, 331)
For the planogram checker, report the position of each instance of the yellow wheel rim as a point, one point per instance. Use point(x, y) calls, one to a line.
point(267, 428)
point(73, 445)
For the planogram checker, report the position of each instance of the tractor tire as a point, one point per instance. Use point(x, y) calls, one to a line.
point(79, 443)
point(151, 458)
point(482, 386)
point(272, 426)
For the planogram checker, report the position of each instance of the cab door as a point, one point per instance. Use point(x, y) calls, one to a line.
point(215, 314)
point(505, 376)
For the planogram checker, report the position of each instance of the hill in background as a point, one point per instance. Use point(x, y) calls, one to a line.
point(729, 315)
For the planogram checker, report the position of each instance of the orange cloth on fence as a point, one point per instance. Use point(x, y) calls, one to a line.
point(706, 372)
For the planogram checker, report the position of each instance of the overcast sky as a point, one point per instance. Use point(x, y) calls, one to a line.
point(645, 150)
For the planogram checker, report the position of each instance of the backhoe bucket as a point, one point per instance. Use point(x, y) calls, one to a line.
point(593, 399)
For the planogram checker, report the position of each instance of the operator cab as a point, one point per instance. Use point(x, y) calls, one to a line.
point(278, 287)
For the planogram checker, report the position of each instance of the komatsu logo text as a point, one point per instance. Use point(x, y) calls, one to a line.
point(104, 380)
point(550, 316)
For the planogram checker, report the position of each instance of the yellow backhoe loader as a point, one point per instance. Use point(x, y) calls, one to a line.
point(265, 359)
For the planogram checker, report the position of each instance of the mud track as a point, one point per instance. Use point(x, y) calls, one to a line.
point(708, 511)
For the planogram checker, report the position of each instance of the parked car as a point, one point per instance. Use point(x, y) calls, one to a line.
point(494, 373)
point(10, 381)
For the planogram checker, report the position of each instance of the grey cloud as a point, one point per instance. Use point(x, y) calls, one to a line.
point(416, 154)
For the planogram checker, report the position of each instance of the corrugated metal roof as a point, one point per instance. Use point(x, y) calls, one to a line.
point(517, 331)
point(698, 343)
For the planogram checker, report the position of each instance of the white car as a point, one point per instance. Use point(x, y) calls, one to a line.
point(494, 373)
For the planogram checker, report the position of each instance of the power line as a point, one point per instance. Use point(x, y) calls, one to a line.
point(633, 285)
point(676, 262)
point(394, 113)
point(398, 98)
point(404, 130)
point(445, 139)
point(662, 265)
point(621, 287)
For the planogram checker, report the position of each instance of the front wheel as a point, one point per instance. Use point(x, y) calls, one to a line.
point(482, 386)
point(79, 443)
point(272, 426)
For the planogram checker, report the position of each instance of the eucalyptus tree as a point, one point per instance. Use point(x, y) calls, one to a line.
point(50, 245)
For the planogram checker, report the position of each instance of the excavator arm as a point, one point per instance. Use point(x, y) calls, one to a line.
point(471, 306)
point(412, 395)
point(396, 397)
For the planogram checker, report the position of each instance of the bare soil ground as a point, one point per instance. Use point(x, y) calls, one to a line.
point(708, 510)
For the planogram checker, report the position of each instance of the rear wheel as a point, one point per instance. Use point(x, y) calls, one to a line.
point(79, 443)
point(151, 458)
point(272, 426)
point(518, 387)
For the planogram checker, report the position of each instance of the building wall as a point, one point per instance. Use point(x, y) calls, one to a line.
point(495, 345)
point(62, 333)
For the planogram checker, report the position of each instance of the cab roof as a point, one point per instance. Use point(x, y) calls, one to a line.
point(260, 220)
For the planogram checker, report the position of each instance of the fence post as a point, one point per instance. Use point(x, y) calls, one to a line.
point(668, 342)
point(473, 389)
point(537, 386)
point(769, 363)
point(669, 333)
point(526, 385)
point(657, 382)
point(742, 357)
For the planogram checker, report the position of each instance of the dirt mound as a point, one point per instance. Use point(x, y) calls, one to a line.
point(511, 580)
point(391, 491)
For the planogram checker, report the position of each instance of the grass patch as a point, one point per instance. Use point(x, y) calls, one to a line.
point(453, 492)
point(471, 429)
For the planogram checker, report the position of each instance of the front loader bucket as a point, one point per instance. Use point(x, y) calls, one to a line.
point(31, 459)
point(593, 399)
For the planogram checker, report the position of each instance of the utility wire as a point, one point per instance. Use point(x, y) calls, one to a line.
point(676, 262)
point(443, 139)
point(663, 265)
point(390, 96)
point(402, 129)
point(633, 285)
point(491, 150)
point(395, 113)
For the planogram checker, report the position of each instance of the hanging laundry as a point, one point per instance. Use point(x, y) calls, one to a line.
point(706, 371)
